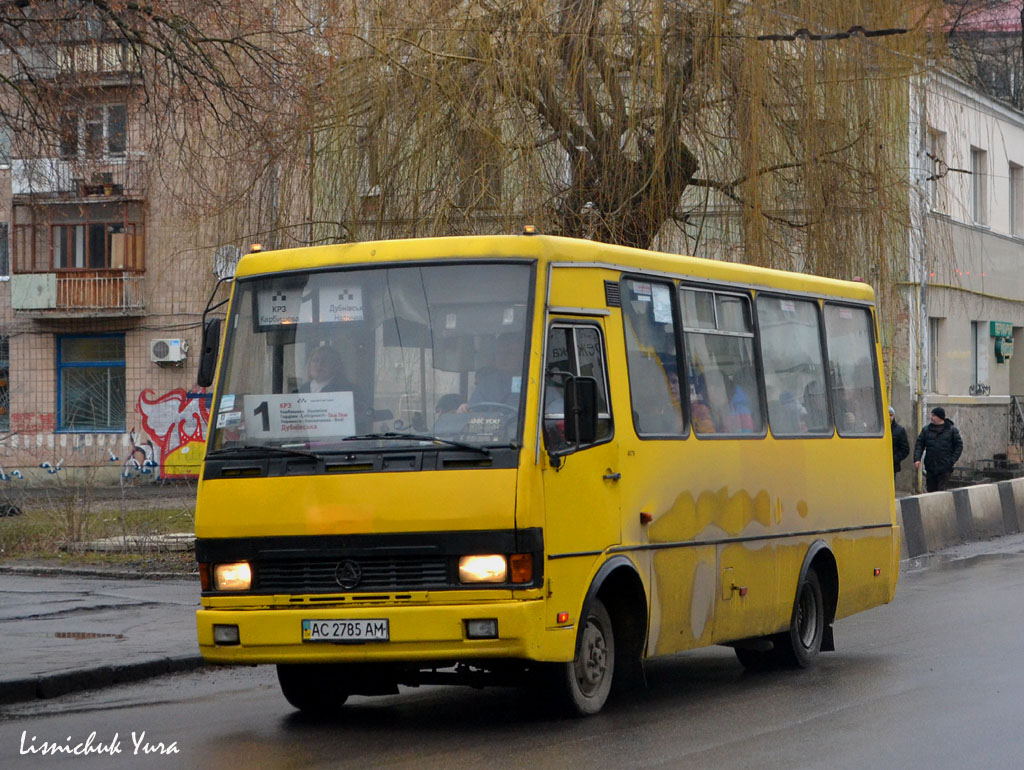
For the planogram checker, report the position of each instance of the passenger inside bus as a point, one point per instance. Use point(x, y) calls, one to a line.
point(700, 412)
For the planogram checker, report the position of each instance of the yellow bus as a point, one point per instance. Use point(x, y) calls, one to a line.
point(529, 458)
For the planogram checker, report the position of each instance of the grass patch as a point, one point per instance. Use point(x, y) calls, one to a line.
point(53, 530)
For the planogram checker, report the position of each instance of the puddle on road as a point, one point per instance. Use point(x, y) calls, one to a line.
point(942, 561)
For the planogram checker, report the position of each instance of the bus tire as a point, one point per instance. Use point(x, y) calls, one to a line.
point(801, 645)
point(583, 685)
point(310, 688)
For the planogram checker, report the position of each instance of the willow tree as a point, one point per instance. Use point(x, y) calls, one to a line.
point(629, 122)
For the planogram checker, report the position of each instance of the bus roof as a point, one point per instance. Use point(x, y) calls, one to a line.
point(545, 249)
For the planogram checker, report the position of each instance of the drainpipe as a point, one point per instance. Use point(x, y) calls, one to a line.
point(919, 248)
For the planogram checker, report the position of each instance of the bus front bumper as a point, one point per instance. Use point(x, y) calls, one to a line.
point(416, 633)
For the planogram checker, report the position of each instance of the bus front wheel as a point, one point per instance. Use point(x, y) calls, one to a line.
point(800, 646)
point(311, 688)
point(584, 684)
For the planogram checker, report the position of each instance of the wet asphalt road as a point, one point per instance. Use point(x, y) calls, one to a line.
point(934, 680)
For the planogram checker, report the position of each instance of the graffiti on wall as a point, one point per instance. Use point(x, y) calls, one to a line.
point(174, 425)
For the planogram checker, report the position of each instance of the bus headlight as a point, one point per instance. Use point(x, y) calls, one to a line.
point(232, 577)
point(483, 569)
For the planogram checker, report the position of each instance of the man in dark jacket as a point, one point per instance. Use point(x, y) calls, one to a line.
point(941, 445)
point(900, 444)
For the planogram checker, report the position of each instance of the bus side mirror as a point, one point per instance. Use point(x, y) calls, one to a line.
point(580, 410)
point(208, 357)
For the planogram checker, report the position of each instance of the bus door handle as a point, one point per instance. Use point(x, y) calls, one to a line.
point(612, 476)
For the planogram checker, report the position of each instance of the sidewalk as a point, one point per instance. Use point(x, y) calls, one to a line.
point(62, 633)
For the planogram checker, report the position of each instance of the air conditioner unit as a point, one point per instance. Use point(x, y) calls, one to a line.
point(167, 351)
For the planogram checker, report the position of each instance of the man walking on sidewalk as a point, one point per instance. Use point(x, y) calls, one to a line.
point(941, 445)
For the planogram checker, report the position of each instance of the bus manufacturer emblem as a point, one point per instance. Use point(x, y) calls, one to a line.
point(348, 574)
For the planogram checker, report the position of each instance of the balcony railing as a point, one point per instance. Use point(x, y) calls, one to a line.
point(108, 60)
point(86, 292)
point(78, 178)
point(121, 291)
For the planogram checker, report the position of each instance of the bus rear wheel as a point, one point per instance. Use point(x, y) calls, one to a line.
point(584, 684)
point(801, 645)
point(311, 688)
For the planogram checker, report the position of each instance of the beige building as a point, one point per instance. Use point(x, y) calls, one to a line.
point(99, 311)
point(966, 284)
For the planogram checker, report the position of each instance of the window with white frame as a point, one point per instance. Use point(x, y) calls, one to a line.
point(938, 168)
point(95, 131)
point(979, 185)
point(91, 383)
point(979, 357)
point(934, 329)
point(1016, 200)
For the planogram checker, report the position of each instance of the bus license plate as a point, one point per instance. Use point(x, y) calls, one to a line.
point(366, 630)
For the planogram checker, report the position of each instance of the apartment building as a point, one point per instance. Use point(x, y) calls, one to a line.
point(966, 285)
point(99, 302)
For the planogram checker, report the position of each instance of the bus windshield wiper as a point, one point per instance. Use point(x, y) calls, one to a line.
point(393, 436)
point(279, 450)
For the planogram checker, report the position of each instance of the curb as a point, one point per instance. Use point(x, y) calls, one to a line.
point(46, 571)
point(53, 685)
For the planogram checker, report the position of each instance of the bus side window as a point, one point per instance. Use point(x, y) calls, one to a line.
point(794, 371)
point(573, 351)
point(850, 341)
point(651, 346)
point(721, 370)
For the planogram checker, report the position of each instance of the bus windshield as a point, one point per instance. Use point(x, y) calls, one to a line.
point(387, 357)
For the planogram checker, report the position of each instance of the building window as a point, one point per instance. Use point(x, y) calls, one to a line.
point(98, 131)
point(99, 235)
point(979, 356)
point(95, 245)
point(91, 383)
point(979, 185)
point(5, 252)
point(1016, 200)
point(932, 375)
point(937, 170)
point(5, 147)
point(5, 383)
point(369, 178)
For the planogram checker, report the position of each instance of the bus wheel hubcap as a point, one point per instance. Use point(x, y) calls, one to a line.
point(593, 661)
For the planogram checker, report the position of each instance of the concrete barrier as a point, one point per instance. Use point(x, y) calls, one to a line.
point(938, 520)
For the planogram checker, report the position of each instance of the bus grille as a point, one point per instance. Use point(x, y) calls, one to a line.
point(313, 575)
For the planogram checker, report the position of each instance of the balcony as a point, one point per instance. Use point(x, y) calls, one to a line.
point(84, 62)
point(78, 294)
point(89, 179)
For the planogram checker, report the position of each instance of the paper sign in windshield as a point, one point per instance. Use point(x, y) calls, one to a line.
point(341, 303)
point(302, 416)
point(280, 307)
